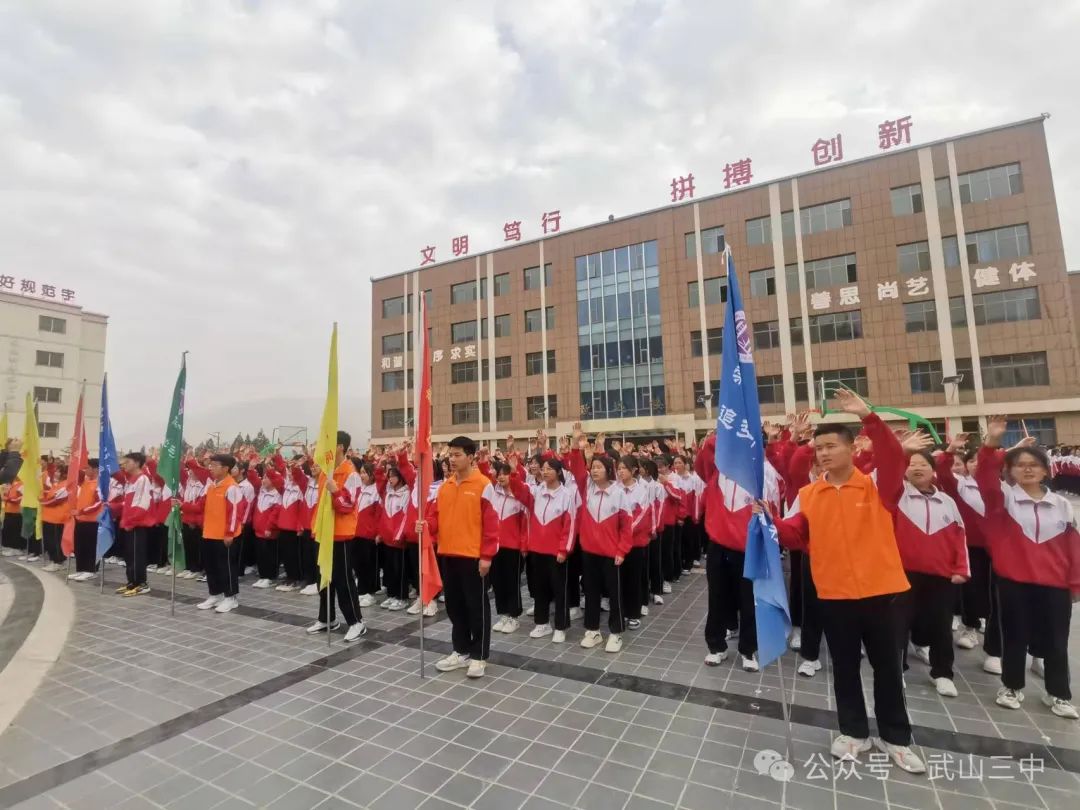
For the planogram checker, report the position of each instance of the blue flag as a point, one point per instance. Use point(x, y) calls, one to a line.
point(109, 464)
point(740, 456)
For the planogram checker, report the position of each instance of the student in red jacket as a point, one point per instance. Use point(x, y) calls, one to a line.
point(395, 506)
point(136, 518)
point(292, 521)
point(264, 524)
point(606, 539)
point(368, 515)
point(1036, 553)
point(933, 549)
point(638, 499)
point(673, 505)
point(192, 503)
point(507, 564)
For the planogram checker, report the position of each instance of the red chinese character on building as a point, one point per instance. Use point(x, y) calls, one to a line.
point(48, 290)
point(738, 173)
point(551, 221)
point(682, 187)
point(427, 255)
point(461, 245)
point(512, 231)
point(67, 295)
point(7, 282)
point(827, 151)
point(29, 286)
point(894, 133)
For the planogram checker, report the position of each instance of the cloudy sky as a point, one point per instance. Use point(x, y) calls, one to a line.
point(224, 176)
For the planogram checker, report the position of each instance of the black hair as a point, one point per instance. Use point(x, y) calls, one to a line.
point(137, 457)
point(367, 467)
point(306, 467)
point(344, 440)
point(437, 470)
point(664, 459)
point(969, 455)
point(538, 458)
point(557, 466)
point(242, 466)
point(835, 429)
point(464, 444)
point(1036, 453)
point(260, 468)
point(649, 466)
point(609, 465)
point(93, 462)
point(392, 469)
point(224, 459)
point(631, 463)
point(927, 456)
point(500, 468)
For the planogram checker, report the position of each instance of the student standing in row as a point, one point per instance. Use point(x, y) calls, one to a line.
point(88, 506)
point(221, 526)
point(136, 518)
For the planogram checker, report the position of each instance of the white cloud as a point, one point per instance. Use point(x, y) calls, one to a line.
point(225, 177)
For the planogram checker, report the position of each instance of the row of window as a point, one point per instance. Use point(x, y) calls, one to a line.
point(614, 403)
point(1004, 306)
point(616, 353)
point(628, 259)
point(1017, 370)
point(465, 331)
point(771, 386)
point(978, 186)
point(611, 306)
point(466, 371)
point(49, 359)
point(469, 413)
point(465, 292)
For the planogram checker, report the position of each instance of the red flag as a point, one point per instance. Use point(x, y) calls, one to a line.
point(431, 580)
point(77, 460)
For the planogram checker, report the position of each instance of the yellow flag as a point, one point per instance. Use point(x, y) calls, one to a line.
point(30, 471)
point(325, 457)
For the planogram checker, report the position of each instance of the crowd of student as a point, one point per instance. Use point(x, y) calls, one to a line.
point(892, 548)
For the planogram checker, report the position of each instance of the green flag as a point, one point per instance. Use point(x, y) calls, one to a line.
point(169, 465)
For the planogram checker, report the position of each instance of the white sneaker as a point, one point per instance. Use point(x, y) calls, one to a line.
point(576, 613)
point(945, 687)
point(808, 669)
point(902, 755)
point(200, 578)
point(151, 569)
point(33, 558)
point(262, 584)
point(165, 570)
point(845, 747)
point(366, 599)
point(289, 588)
point(210, 602)
point(414, 608)
point(558, 637)
point(442, 598)
point(511, 625)
point(955, 623)
point(355, 631)
point(75, 576)
point(667, 587)
point(1061, 707)
point(228, 604)
point(250, 571)
point(540, 631)
point(310, 590)
point(922, 653)
point(968, 639)
point(451, 662)
point(531, 610)
point(591, 639)
point(992, 664)
point(614, 643)
point(715, 659)
point(476, 669)
point(796, 639)
point(397, 604)
point(605, 604)
point(320, 627)
point(1038, 667)
point(387, 602)
point(8, 552)
point(657, 599)
point(696, 564)
point(750, 664)
point(644, 610)
point(499, 625)
point(1009, 698)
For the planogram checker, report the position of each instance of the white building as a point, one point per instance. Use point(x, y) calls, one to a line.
point(48, 348)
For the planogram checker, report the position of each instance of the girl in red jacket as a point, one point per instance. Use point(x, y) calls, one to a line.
point(933, 549)
point(552, 508)
point(395, 506)
point(369, 512)
point(264, 524)
point(508, 561)
point(1035, 551)
point(605, 532)
point(192, 503)
point(291, 522)
point(638, 498)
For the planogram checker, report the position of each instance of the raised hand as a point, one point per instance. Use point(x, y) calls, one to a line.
point(958, 443)
point(995, 430)
point(915, 440)
point(850, 402)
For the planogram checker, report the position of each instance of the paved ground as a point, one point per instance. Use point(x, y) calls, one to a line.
point(202, 711)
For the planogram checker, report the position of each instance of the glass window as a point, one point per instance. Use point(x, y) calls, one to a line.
point(1043, 428)
point(906, 200)
point(825, 217)
point(716, 342)
point(49, 430)
point(913, 258)
point(759, 231)
point(467, 371)
point(534, 363)
point(951, 250)
point(1006, 306)
point(532, 276)
point(464, 292)
point(43, 393)
point(957, 315)
point(465, 413)
point(395, 344)
point(715, 291)
point(712, 241)
point(503, 368)
point(800, 387)
point(767, 335)
point(853, 378)
point(920, 316)
point(534, 407)
point(1015, 370)
point(763, 283)
point(502, 284)
point(925, 377)
point(787, 225)
point(699, 394)
point(47, 323)
point(836, 326)
point(502, 326)
point(988, 184)
point(1010, 242)
point(651, 253)
point(532, 319)
point(395, 380)
point(944, 192)
point(394, 418)
point(770, 389)
point(504, 410)
point(463, 332)
point(393, 307)
point(50, 359)
point(829, 272)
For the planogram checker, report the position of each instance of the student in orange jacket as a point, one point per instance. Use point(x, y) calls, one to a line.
point(222, 513)
point(12, 529)
point(88, 506)
point(846, 523)
point(463, 520)
point(54, 513)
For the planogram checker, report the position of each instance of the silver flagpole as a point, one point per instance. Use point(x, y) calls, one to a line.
point(786, 709)
point(328, 622)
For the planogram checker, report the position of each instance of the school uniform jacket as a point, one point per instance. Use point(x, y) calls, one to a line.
point(138, 507)
point(193, 494)
point(343, 502)
point(248, 489)
point(224, 504)
point(54, 505)
point(88, 503)
point(964, 490)
point(552, 516)
point(267, 509)
point(462, 518)
point(293, 516)
point(930, 534)
point(395, 506)
point(692, 487)
point(1035, 542)
point(638, 498)
point(13, 498)
point(412, 513)
point(512, 512)
point(606, 520)
point(729, 507)
point(368, 511)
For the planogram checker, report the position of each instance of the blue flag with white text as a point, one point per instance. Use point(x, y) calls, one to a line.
point(109, 464)
point(740, 456)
